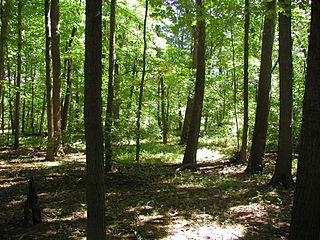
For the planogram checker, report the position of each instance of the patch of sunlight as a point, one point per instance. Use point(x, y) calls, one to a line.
point(135, 209)
point(254, 211)
point(79, 157)
point(144, 219)
point(205, 154)
point(189, 185)
point(182, 229)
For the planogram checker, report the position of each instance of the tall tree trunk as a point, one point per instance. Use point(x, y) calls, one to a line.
point(192, 143)
point(187, 119)
point(190, 99)
point(56, 73)
point(50, 146)
point(67, 98)
point(32, 101)
point(164, 112)
point(235, 90)
point(5, 13)
point(144, 56)
point(243, 151)
point(109, 115)
point(18, 80)
point(305, 222)
point(262, 111)
point(44, 100)
point(96, 228)
point(23, 117)
point(282, 174)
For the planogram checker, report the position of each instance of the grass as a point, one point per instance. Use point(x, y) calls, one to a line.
point(147, 200)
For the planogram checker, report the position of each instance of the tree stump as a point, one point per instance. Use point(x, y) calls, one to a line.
point(32, 212)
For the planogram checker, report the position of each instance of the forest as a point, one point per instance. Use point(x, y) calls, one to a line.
point(159, 119)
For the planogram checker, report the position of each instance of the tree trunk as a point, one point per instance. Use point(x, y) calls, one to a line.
point(142, 83)
point(44, 100)
point(282, 174)
point(164, 112)
point(189, 107)
point(262, 111)
point(67, 98)
point(5, 13)
point(56, 73)
point(187, 120)
point(109, 115)
point(192, 143)
point(243, 151)
point(235, 90)
point(32, 102)
point(18, 80)
point(50, 145)
point(305, 222)
point(96, 228)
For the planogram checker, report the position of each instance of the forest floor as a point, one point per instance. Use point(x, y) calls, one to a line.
point(154, 199)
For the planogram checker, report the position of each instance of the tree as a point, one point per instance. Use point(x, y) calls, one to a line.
point(5, 13)
point(192, 143)
point(243, 151)
point(67, 98)
point(144, 56)
point(56, 73)
point(50, 127)
point(110, 100)
point(305, 222)
point(96, 229)
point(18, 80)
point(262, 110)
point(282, 174)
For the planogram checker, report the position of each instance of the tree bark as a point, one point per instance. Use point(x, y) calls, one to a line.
point(96, 228)
point(306, 206)
point(56, 73)
point(110, 100)
point(282, 174)
point(243, 151)
point(262, 111)
point(5, 14)
point(192, 143)
point(190, 99)
point(164, 111)
point(18, 80)
point(50, 145)
point(138, 135)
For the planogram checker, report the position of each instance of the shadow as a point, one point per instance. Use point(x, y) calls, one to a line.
point(146, 201)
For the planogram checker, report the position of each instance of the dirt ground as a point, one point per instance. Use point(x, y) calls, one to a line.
point(143, 201)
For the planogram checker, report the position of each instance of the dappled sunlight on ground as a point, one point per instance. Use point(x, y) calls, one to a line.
point(182, 229)
point(205, 154)
point(149, 200)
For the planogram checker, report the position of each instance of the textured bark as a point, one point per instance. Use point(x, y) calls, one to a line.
point(262, 111)
point(305, 223)
point(56, 73)
point(96, 228)
point(244, 144)
point(192, 143)
point(187, 119)
point(142, 83)
point(50, 127)
point(18, 80)
point(5, 14)
point(190, 99)
point(282, 174)
point(110, 100)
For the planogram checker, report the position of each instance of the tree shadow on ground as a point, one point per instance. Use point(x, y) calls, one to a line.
point(144, 201)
